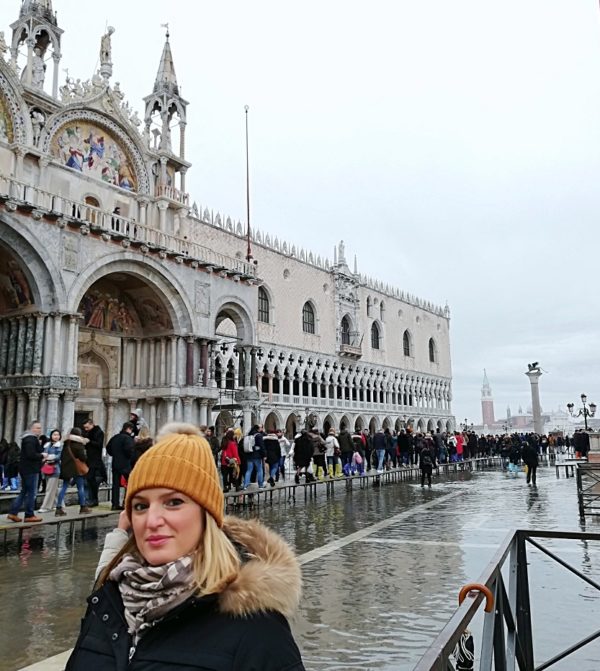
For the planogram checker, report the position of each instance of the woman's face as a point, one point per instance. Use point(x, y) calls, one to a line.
point(166, 524)
point(55, 436)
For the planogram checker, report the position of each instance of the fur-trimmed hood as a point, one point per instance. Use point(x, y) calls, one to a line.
point(270, 580)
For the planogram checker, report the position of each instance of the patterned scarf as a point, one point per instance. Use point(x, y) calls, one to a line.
point(150, 592)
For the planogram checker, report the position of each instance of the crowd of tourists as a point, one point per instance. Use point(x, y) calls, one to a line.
point(50, 464)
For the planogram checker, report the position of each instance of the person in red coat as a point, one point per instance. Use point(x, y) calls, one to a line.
point(230, 460)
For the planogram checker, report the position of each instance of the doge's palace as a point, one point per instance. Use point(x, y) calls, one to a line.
point(118, 291)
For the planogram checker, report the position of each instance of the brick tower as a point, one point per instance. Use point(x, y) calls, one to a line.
point(487, 403)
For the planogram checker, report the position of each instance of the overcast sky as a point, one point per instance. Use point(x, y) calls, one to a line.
point(454, 146)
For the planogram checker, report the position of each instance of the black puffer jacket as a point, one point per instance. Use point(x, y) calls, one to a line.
point(244, 628)
point(120, 448)
point(30, 461)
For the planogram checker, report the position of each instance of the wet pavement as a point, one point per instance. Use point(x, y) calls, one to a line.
point(382, 569)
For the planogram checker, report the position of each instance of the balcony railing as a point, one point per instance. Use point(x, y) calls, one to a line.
point(174, 194)
point(120, 228)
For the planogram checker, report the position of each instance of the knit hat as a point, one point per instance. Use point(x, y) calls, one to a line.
point(182, 460)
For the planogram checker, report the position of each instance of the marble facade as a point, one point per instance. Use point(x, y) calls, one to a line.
point(118, 292)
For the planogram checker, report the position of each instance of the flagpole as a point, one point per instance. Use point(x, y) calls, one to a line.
point(248, 245)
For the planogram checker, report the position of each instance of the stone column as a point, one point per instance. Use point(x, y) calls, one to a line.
point(203, 411)
point(152, 418)
point(241, 372)
point(211, 367)
point(20, 414)
point(9, 422)
point(189, 362)
point(270, 382)
point(20, 353)
point(534, 378)
point(162, 216)
point(2, 413)
point(143, 209)
point(151, 362)
point(56, 59)
point(34, 405)
point(110, 418)
point(163, 362)
point(252, 367)
point(43, 163)
point(170, 401)
point(247, 411)
point(173, 360)
point(52, 409)
point(4, 339)
point(248, 365)
point(71, 345)
point(133, 404)
point(19, 161)
point(56, 349)
point(30, 42)
point(47, 362)
point(68, 413)
point(204, 361)
point(12, 347)
point(38, 344)
point(29, 341)
point(138, 362)
point(187, 408)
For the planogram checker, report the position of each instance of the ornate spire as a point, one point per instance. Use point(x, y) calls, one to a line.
point(486, 390)
point(165, 77)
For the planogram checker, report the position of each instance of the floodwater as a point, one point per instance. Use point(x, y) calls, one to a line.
point(373, 601)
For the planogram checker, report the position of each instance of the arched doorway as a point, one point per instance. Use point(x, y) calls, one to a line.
point(127, 340)
point(291, 426)
point(223, 422)
point(359, 424)
point(328, 423)
point(373, 425)
point(272, 422)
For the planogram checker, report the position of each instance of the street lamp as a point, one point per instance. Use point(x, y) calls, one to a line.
point(465, 425)
point(585, 411)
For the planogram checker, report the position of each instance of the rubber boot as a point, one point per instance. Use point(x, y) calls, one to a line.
point(338, 470)
point(320, 473)
point(330, 470)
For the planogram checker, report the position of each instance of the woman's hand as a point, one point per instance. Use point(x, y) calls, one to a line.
point(124, 522)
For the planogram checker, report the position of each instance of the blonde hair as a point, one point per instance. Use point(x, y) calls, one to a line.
point(144, 433)
point(216, 561)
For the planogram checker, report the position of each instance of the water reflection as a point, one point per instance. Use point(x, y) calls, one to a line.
point(376, 603)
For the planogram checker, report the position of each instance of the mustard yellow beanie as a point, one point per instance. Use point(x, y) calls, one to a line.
point(181, 459)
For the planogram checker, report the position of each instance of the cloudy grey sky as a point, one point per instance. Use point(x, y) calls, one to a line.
point(454, 146)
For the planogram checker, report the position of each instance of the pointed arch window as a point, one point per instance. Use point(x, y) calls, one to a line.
point(382, 311)
point(308, 318)
point(263, 306)
point(369, 306)
point(407, 344)
point(345, 331)
point(375, 336)
point(432, 351)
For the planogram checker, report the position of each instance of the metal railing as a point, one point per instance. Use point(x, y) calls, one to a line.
point(588, 488)
point(506, 641)
point(121, 228)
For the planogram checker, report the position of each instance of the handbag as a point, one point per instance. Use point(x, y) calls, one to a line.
point(48, 469)
point(80, 466)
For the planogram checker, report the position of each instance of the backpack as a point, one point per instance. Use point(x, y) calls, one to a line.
point(248, 444)
point(426, 458)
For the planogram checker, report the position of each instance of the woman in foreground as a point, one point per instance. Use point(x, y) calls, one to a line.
point(188, 588)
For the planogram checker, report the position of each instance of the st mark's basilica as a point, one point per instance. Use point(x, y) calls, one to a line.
point(117, 291)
